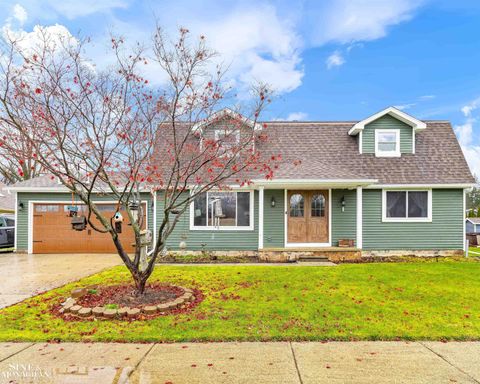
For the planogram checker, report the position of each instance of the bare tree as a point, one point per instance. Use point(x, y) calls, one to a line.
point(17, 162)
point(113, 132)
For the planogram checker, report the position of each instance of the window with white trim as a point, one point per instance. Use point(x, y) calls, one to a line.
point(223, 210)
point(387, 142)
point(411, 205)
point(228, 140)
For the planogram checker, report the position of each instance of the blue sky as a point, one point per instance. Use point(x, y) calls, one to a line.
point(328, 60)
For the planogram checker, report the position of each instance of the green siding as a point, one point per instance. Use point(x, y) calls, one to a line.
point(274, 219)
point(210, 239)
point(387, 122)
point(444, 232)
point(22, 216)
point(344, 224)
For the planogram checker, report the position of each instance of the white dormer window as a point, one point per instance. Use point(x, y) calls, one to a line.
point(228, 140)
point(387, 142)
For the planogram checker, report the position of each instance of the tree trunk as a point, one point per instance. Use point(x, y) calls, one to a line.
point(140, 283)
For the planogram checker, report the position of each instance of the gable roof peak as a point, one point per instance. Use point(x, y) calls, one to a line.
point(416, 124)
point(228, 113)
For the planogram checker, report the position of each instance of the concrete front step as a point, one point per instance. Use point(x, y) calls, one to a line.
point(334, 254)
point(313, 259)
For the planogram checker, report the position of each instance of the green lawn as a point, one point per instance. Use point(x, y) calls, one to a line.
point(380, 301)
point(474, 251)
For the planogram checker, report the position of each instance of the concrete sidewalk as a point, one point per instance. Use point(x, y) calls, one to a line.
point(282, 362)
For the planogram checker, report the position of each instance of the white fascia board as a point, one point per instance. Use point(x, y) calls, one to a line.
point(313, 183)
point(417, 125)
point(295, 183)
point(57, 190)
point(419, 186)
point(38, 189)
point(228, 113)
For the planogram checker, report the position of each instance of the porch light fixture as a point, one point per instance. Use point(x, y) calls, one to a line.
point(342, 202)
point(134, 209)
point(20, 206)
point(273, 202)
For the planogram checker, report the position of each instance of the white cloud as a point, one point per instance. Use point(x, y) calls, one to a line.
point(464, 132)
point(470, 107)
point(344, 21)
point(53, 35)
point(293, 116)
point(72, 9)
point(19, 13)
point(472, 155)
point(427, 97)
point(469, 141)
point(264, 41)
point(403, 107)
point(258, 40)
point(335, 60)
point(257, 44)
point(283, 75)
point(419, 100)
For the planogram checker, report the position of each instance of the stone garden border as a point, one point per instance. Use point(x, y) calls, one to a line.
point(70, 306)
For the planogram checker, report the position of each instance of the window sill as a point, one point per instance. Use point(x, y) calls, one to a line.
point(387, 154)
point(407, 220)
point(221, 229)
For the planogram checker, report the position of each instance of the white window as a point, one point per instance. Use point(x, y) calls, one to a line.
point(387, 142)
point(400, 206)
point(222, 211)
point(228, 140)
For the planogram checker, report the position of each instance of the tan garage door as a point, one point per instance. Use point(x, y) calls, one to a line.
point(53, 233)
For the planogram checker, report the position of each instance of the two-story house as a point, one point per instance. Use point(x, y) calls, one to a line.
point(389, 184)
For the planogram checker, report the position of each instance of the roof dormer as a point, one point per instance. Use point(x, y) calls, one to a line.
point(226, 114)
point(388, 133)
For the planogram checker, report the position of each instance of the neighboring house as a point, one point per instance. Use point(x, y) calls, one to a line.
point(472, 225)
point(389, 184)
point(7, 200)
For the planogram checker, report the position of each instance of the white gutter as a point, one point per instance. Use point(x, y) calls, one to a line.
point(314, 183)
point(56, 190)
point(280, 183)
point(439, 186)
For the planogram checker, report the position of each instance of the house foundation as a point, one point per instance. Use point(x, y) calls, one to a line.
point(332, 254)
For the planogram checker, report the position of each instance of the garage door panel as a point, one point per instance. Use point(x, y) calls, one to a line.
point(53, 233)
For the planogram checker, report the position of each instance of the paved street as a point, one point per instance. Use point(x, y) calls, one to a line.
point(282, 362)
point(26, 275)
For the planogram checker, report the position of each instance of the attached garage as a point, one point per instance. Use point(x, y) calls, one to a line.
point(53, 233)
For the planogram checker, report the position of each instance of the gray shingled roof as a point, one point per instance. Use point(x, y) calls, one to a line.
point(474, 220)
point(44, 181)
point(324, 150)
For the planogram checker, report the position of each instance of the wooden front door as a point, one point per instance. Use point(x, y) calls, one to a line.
point(307, 217)
point(53, 233)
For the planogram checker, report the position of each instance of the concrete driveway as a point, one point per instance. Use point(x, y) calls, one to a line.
point(227, 363)
point(24, 275)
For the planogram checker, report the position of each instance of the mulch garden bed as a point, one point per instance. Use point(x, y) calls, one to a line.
point(124, 296)
point(119, 302)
